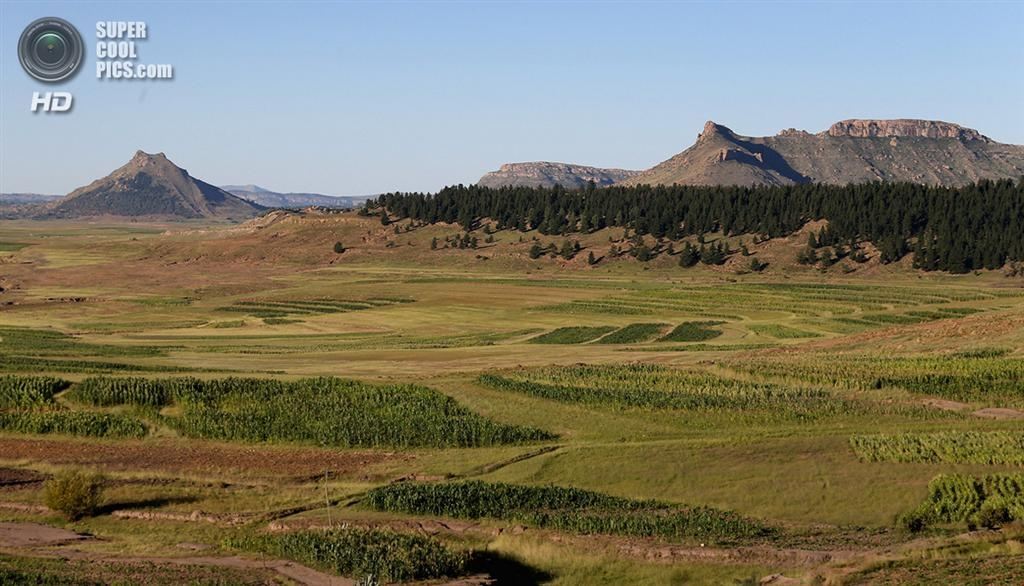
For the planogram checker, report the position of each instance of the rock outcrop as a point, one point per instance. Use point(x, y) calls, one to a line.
point(904, 128)
point(545, 174)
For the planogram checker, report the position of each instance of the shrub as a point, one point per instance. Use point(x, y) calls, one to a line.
point(993, 513)
point(915, 520)
point(75, 494)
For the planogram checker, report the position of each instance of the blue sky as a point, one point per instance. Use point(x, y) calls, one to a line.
point(356, 98)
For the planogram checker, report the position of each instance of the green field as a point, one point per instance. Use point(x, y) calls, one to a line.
point(535, 420)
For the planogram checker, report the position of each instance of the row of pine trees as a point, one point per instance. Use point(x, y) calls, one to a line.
point(954, 229)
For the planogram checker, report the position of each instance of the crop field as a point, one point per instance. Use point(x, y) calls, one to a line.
point(955, 447)
point(449, 416)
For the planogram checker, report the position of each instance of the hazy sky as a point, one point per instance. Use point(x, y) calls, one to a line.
point(356, 98)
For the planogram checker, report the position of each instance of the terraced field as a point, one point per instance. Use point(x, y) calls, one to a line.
point(447, 417)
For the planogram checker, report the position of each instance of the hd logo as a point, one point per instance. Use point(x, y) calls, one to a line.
point(50, 50)
point(51, 101)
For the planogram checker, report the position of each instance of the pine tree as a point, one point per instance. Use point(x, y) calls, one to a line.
point(536, 251)
point(689, 256)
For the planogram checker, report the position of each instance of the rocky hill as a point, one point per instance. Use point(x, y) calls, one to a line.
point(545, 174)
point(152, 186)
point(851, 151)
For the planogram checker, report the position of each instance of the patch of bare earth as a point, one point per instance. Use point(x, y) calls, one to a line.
point(172, 456)
point(999, 413)
point(19, 535)
point(934, 335)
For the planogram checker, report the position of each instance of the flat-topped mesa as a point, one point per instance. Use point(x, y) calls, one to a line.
point(903, 128)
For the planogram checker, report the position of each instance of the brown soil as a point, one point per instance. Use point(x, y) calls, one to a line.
point(17, 479)
point(174, 457)
point(999, 413)
point(35, 535)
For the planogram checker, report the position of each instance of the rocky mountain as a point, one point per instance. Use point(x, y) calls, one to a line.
point(544, 174)
point(850, 151)
point(152, 186)
point(273, 199)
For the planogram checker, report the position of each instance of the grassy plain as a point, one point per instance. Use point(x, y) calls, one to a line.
point(765, 378)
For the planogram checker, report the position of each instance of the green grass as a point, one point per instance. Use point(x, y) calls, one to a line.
point(968, 571)
point(645, 386)
point(694, 331)
point(782, 332)
point(565, 509)
point(572, 335)
point(81, 423)
point(992, 380)
point(954, 447)
point(633, 334)
point(58, 571)
point(50, 342)
point(334, 412)
point(381, 555)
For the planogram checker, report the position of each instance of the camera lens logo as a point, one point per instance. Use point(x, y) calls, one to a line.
point(50, 49)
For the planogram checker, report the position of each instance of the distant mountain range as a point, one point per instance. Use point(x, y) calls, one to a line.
point(7, 199)
point(851, 151)
point(273, 199)
point(151, 186)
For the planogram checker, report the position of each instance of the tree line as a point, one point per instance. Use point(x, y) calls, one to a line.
point(955, 229)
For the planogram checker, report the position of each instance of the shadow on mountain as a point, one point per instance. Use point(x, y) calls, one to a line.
point(772, 161)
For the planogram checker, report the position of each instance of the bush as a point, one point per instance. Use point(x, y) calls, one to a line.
point(914, 521)
point(994, 513)
point(74, 493)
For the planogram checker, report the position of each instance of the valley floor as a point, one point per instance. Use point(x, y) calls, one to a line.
point(817, 408)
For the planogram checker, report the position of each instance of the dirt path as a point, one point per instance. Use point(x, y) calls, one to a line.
point(195, 457)
point(18, 535)
point(35, 540)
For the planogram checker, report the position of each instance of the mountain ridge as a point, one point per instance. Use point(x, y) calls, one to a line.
point(849, 151)
point(150, 185)
point(269, 198)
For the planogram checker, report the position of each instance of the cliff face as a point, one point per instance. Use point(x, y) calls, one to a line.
point(545, 174)
point(851, 151)
point(904, 127)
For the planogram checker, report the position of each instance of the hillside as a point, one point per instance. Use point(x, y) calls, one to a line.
point(850, 151)
point(152, 186)
point(545, 174)
point(273, 199)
